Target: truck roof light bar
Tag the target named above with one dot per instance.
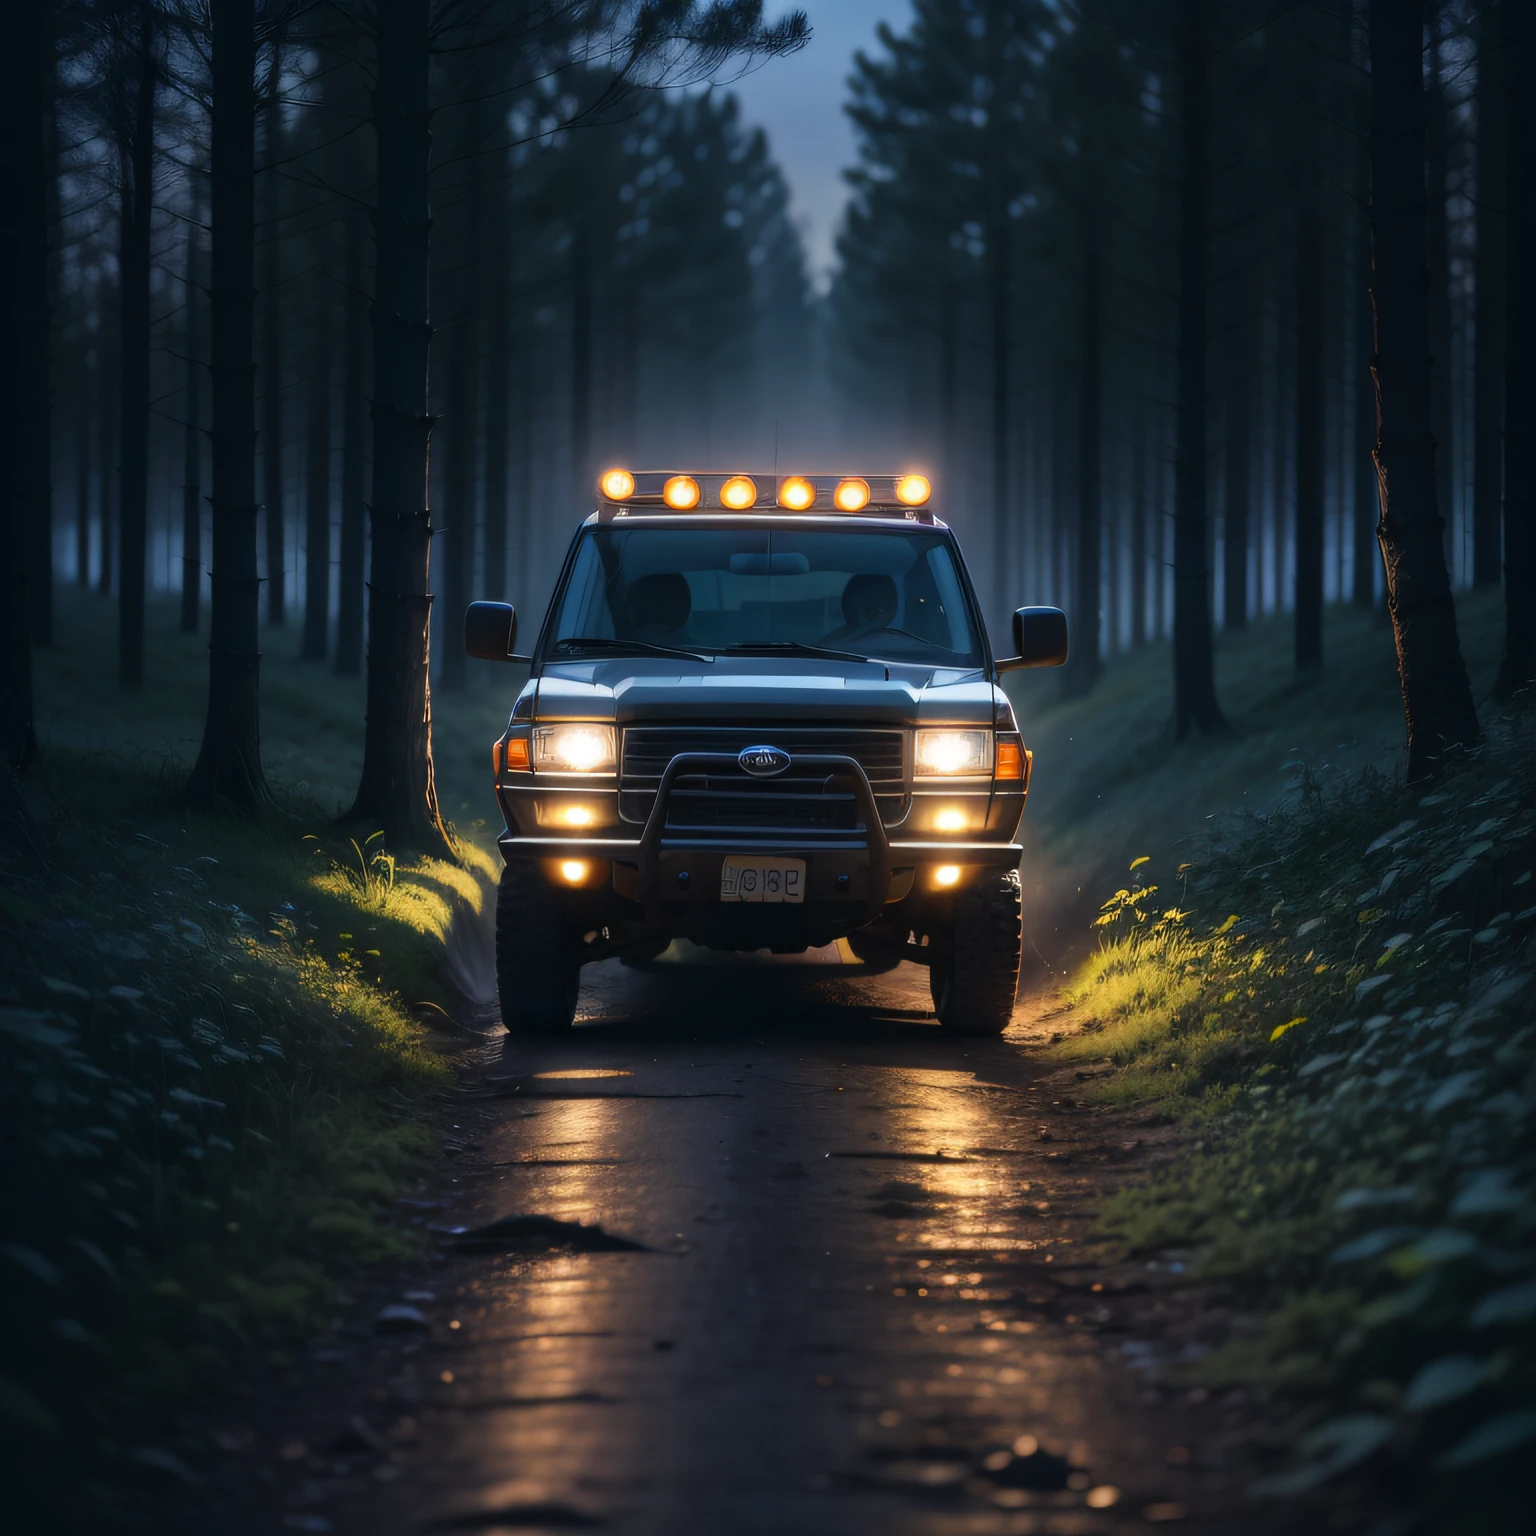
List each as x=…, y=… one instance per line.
x=663, y=492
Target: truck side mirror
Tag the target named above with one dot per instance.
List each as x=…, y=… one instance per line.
x=1039, y=639
x=490, y=631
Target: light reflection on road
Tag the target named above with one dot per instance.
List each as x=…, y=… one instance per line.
x=841, y=1315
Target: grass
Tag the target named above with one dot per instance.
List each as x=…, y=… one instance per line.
x=216, y=1076
x=1110, y=783
x=1332, y=991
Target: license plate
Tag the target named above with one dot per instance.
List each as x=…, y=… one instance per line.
x=743, y=879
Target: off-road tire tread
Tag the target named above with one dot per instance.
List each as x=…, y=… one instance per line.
x=537, y=968
x=975, y=988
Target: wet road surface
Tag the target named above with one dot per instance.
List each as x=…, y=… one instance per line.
x=862, y=1303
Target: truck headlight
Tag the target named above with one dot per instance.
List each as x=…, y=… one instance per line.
x=954, y=752
x=573, y=749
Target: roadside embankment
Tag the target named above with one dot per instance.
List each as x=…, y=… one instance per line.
x=218, y=1063
x=1111, y=783
x=1332, y=996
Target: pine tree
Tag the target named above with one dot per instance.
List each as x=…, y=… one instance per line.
x=24, y=414
x=944, y=118
x=228, y=765
x=1194, y=679
x=1437, y=699
x=1518, y=666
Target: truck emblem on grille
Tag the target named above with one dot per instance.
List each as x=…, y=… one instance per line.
x=763, y=762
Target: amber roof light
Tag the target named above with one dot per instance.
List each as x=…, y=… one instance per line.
x=627, y=493
x=738, y=493
x=852, y=495
x=796, y=494
x=681, y=493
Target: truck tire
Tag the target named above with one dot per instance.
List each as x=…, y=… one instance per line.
x=975, y=977
x=538, y=961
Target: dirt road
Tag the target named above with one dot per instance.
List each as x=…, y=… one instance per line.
x=860, y=1301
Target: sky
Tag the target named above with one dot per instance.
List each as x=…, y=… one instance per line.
x=799, y=102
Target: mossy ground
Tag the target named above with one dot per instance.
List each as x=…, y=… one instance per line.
x=1329, y=983
x=218, y=1081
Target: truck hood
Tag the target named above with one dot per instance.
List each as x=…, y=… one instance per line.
x=745, y=690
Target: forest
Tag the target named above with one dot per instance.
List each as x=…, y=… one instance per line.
x=1134, y=343
x=321, y=319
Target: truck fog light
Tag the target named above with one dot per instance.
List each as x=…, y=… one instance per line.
x=574, y=871
x=576, y=816
x=947, y=874
x=950, y=819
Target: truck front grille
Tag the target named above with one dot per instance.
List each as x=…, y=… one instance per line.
x=726, y=799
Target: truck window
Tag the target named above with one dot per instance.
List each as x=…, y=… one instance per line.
x=894, y=596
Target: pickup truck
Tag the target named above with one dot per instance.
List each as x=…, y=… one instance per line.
x=762, y=719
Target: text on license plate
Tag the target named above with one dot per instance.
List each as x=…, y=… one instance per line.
x=757, y=879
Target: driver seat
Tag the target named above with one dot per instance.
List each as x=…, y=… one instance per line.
x=869, y=604
x=657, y=605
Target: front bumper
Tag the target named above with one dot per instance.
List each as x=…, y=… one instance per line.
x=869, y=869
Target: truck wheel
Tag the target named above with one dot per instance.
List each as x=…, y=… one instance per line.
x=538, y=963
x=976, y=980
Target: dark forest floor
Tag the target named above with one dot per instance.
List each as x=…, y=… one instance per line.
x=1109, y=787
x=218, y=1070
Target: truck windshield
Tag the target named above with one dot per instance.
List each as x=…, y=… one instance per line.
x=881, y=594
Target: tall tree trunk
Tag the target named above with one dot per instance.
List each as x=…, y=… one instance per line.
x=1086, y=663
x=317, y=483
x=1239, y=482
x=397, y=792
x=83, y=472
x=106, y=425
x=626, y=426
x=1488, y=299
x=498, y=389
x=1311, y=465
x=1442, y=392
x=1437, y=699
x=354, y=449
x=949, y=453
x=581, y=356
x=463, y=432
x=24, y=324
x=1194, y=671
x=1000, y=325
x=458, y=535
x=1063, y=466
x=1139, y=525
x=1366, y=506
x=1279, y=549
x=1519, y=664
x=137, y=160
x=272, y=350
x=42, y=45
x=525, y=404
x=192, y=452
x=229, y=762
